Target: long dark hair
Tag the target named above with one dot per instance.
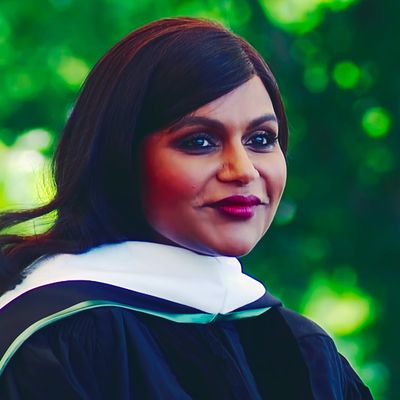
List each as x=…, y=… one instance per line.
x=151, y=78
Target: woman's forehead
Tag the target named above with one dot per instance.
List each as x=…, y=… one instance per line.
x=247, y=102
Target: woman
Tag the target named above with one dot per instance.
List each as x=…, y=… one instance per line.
x=171, y=165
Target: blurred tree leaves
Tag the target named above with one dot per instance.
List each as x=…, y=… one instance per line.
x=333, y=251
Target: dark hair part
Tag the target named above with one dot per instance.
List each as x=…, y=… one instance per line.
x=151, y=78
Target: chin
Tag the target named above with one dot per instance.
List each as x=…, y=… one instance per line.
x=231, y=248
x=237, y=251
x=228, y=245
x=237, y=245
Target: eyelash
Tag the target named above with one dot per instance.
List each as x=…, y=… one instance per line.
x=187, y=144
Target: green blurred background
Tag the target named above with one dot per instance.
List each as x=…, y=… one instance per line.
x=333, y=251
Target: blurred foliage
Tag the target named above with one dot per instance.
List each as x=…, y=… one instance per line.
x=333, y=251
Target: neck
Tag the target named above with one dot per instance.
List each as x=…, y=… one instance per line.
x=211, y=284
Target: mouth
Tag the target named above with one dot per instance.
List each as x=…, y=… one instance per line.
x=241, y=207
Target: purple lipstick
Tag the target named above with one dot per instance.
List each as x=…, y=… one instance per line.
x=241, y=207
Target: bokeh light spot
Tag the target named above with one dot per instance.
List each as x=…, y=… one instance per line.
x=73, y=70
x=24, y=177
x=346, y=74
x=376, y=122
x=300, y=16
x=297, y=16
x=339, y=307
x=35, y=139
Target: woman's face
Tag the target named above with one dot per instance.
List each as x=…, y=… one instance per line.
x=213, y=181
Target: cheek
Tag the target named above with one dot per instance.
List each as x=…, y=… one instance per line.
x=280, y=176
x=165, y=184
x=274, y=175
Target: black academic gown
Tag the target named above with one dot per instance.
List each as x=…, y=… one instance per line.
x=93, y=341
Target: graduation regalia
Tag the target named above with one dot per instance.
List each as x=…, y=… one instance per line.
x=141, y=320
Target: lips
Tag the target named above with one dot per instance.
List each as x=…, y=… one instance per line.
x=237, y=206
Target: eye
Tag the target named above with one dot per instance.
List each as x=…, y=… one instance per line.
x=197, y=143
x=262, y=140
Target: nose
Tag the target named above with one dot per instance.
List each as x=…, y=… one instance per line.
x=237, y=166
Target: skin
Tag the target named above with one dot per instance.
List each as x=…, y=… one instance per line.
x=189, y=166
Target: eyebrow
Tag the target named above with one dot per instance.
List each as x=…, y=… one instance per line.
x=192, y=120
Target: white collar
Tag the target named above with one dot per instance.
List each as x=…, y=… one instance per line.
x=210, y=284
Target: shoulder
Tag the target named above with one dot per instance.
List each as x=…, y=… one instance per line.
x=71, y=358
x=93, y=331
x=90, y=335
x=300, y=325
x=90, y=332
x=331, y=375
